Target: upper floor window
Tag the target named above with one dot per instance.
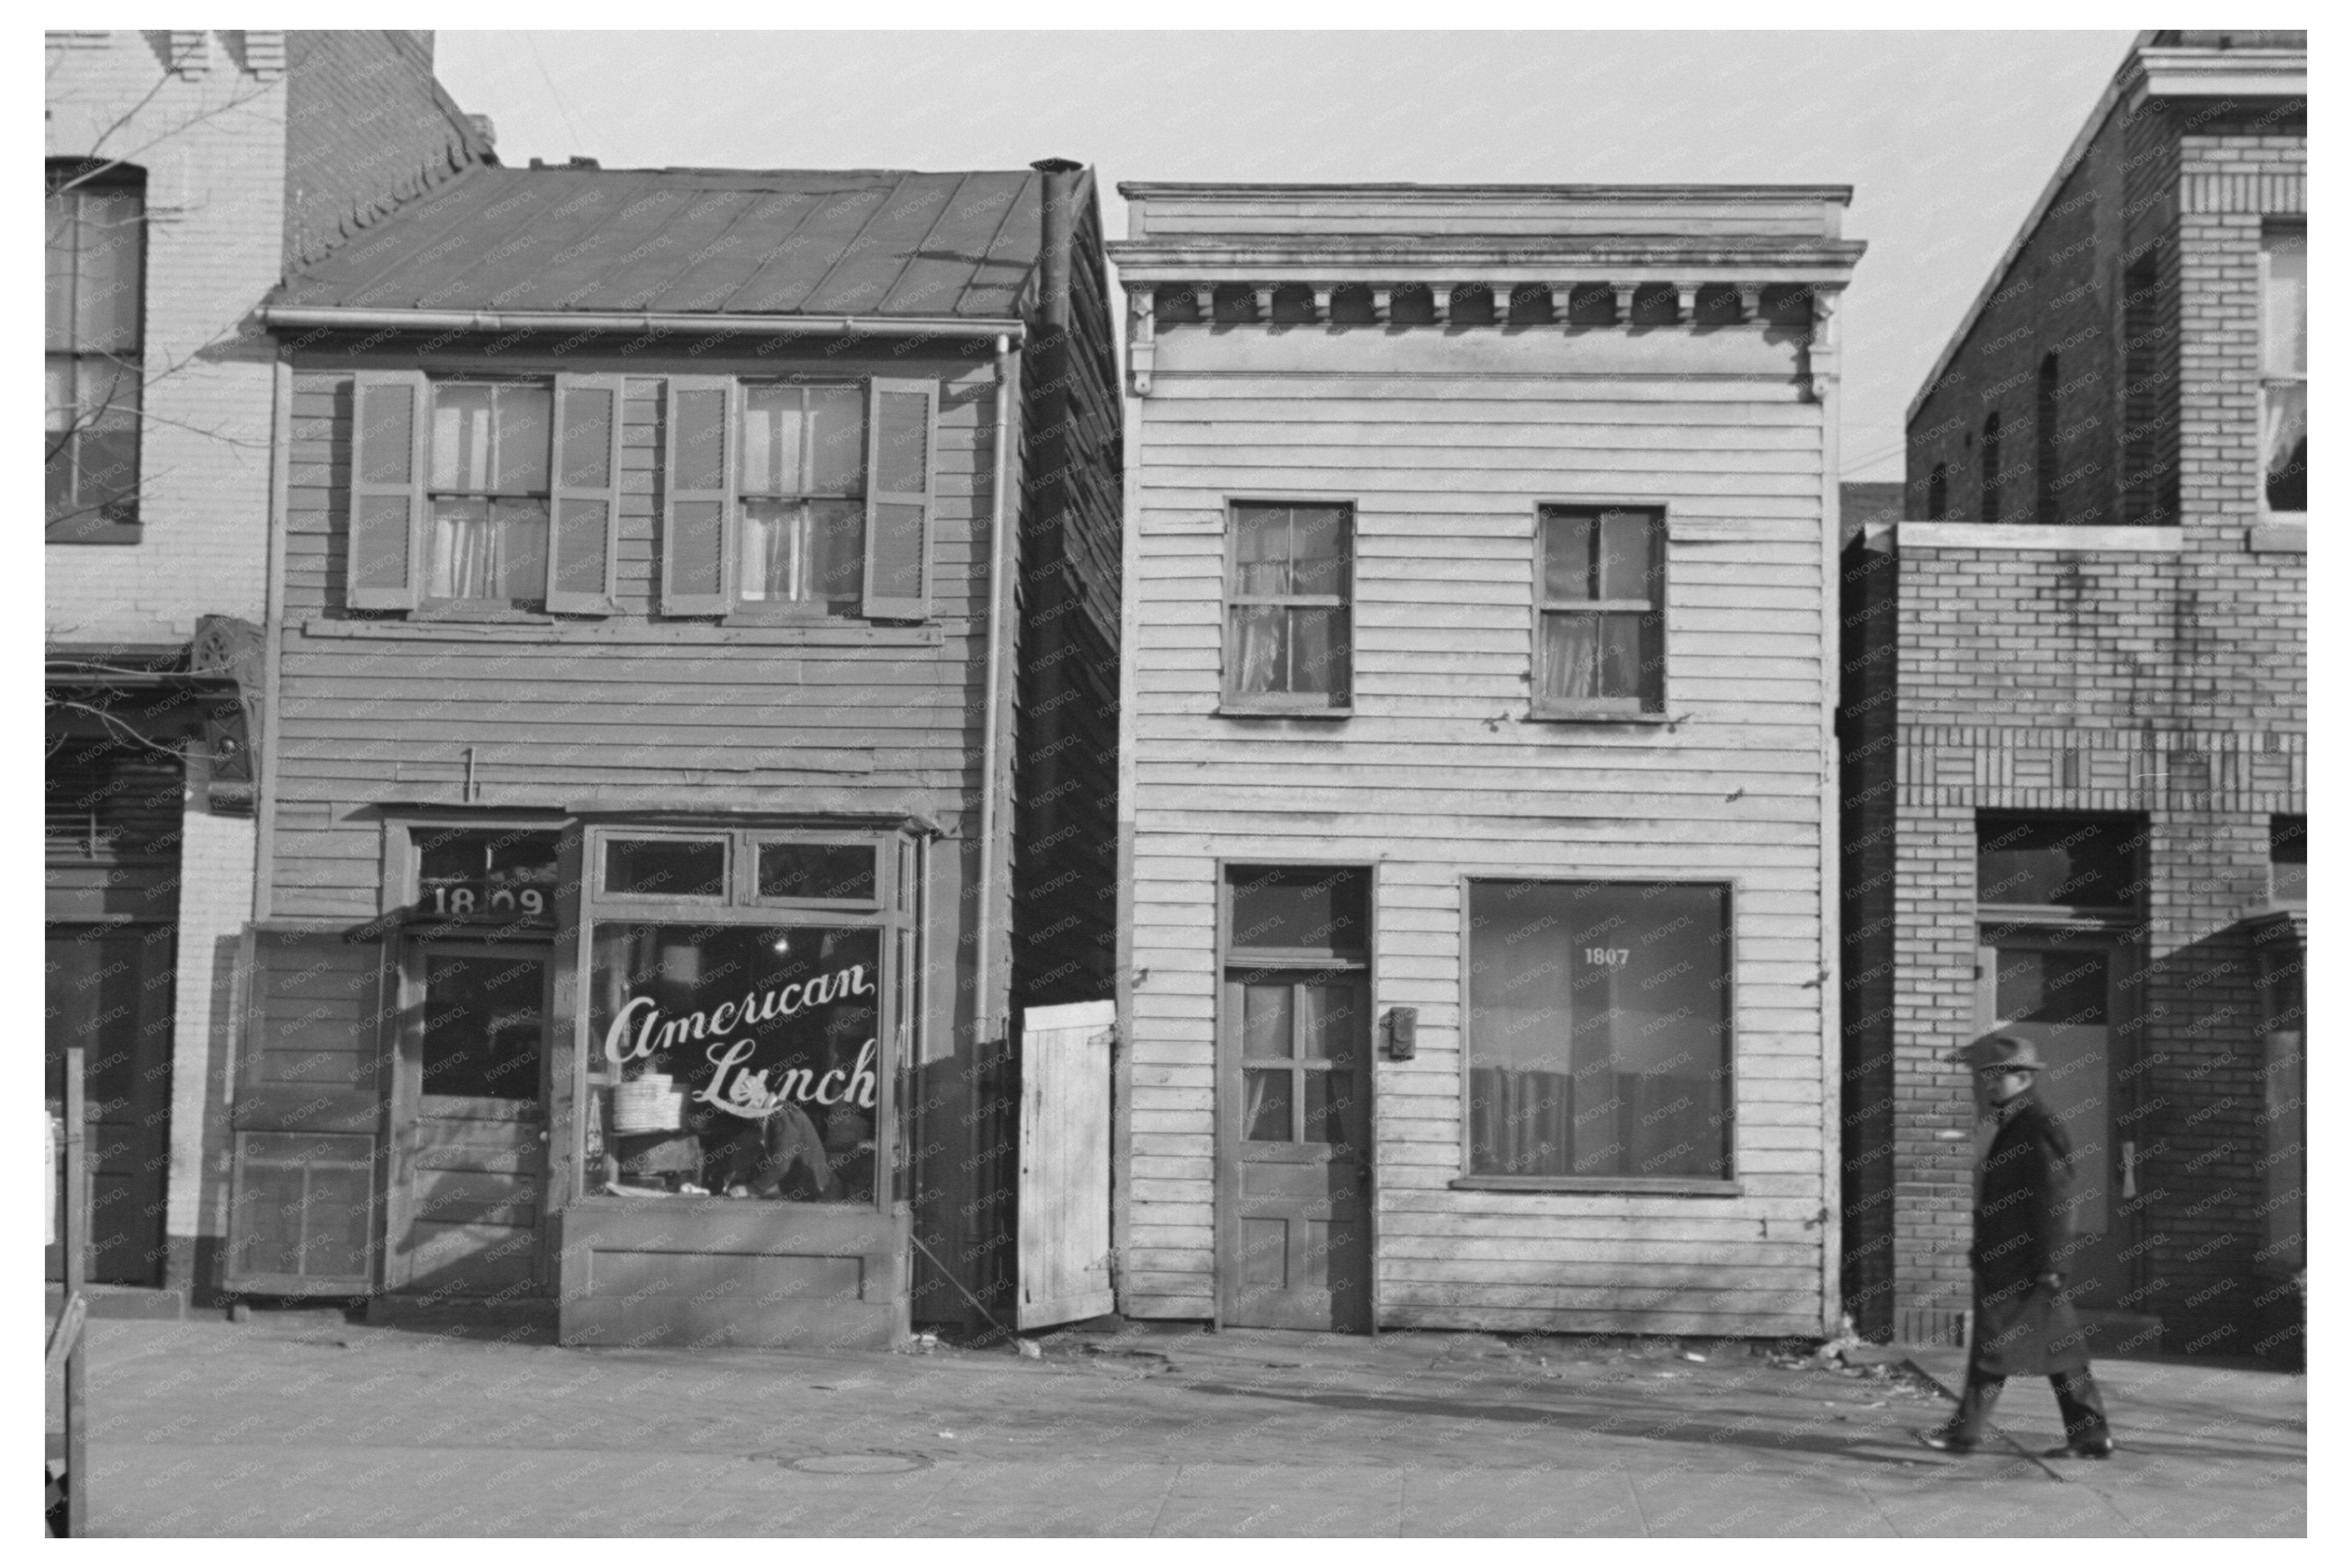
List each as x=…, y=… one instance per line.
x=1288, y=619
x=2287, y=860
x=2285, y=369
x=484, y=495
x=1601, y=613
x=93, y=358
x=1989, y=468
x=2045, y=442
x=799, y=499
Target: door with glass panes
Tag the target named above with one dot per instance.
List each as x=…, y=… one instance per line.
x=1298, y=1241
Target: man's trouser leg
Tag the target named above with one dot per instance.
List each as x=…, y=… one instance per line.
x=2079, y=1407
x=1976, y=1397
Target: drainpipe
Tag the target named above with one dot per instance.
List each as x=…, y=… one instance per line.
x=1002, y=520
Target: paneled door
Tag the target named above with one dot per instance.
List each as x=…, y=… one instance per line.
x=469, y=1120
x=110, y=991
x=1295, y=1151
x=2064, y=993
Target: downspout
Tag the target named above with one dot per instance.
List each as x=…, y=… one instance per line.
x=1003, y=517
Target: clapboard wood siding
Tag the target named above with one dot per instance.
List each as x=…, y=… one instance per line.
x=1446, y=443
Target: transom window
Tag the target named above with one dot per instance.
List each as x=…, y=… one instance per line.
x=2286, y=326
x=1602, y=611
x=1288, y=626
x=97, y=223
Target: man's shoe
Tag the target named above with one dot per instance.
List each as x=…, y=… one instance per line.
x=2102, y=1448
x=1943, y=1441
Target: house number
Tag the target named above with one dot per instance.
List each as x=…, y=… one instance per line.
x=1608, y=957
x=462, y=901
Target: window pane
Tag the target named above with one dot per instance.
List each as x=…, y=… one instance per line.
x=1262, y=550
x=837, y=442
x=786, y=1108
x=2287, y=858
x=461, y=438
x=2058, y=986
x=521, y=531
x=106, y=286
x=482, y=1025
x=588, y=415
x=57, y=311
x=840, y=871
x=666, y=867
x=2081, y=862
x=837, y=533
x=1328, y=1107
x=1598, y=1030
x=1626, y=556
x=1331, y=1021
x=2285, y=448
x=1620, y=654
x=1258, y=661
x=1266, y=1108
x=1567, y=555
x=1311, y=907
x=2285, y=305
x=1267, y=1019
x=1319, y=653
x=775, y=551
x=464, y=550
x=525, y=416
x=1571, y=657
x=1319, y=548
x=771, y=441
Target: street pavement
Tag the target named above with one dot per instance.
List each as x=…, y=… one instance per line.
x=301, y=1424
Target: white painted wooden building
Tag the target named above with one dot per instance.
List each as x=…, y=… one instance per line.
x=1476, y=804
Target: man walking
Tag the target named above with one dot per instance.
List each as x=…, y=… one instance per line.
x=2024, y=1322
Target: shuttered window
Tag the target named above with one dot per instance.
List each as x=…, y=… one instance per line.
x=484, y=495
x=795, y=501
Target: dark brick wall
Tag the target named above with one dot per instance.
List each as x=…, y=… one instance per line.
x=2168, y=682
x=367, y=128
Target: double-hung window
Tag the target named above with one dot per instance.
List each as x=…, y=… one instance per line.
x=1600, y=612
x=484, y=495
x=790, y=499
x=93, y=362
x=2285, y=372
x=1288, y=617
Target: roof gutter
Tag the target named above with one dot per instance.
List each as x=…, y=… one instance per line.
x=352, y=318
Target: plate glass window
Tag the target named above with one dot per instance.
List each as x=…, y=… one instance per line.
x=1288, y=629
x=97, y=243
x=488, y=484
x=802, y=489
x=1602, y=610
x=1600, y=1037
x=2285, y=370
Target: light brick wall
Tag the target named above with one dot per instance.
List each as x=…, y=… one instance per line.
x=213, y=145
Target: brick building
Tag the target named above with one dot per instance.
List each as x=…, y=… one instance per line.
x=185, y=172
x=2074, y=726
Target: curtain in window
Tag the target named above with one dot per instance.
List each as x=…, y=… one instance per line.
x=802, y=551
x=1258, y=662
x=488, y=550
x=1592, y=655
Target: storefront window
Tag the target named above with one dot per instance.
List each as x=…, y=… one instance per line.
x=1599, y=1030
x=742, y=1059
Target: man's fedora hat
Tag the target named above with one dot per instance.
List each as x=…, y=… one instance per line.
x=2001, y=1051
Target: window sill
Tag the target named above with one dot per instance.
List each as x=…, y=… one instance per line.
x=1560, y=713
x=2279, y=538
x=1652, y=1186
x=1229, y=709
x=77, y=530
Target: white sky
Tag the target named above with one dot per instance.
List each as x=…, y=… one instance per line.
x=1945, y=137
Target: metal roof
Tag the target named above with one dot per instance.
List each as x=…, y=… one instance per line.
x=722, y=242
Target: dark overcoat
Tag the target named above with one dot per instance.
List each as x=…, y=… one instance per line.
x=2024, y=1223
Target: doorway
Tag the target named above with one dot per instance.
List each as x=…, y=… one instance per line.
x=109, y=990
x=1299, y=1151
x=2064, y=993
x=470, y=1122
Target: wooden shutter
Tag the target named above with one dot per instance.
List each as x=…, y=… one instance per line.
x=899, y=418
x=583, y=531
x=1065, y=1224
x=698, y=532
x=308, y=1115
x=391, y=426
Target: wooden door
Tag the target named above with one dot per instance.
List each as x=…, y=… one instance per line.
x=1065, y=1200
x=305, y=1124
x=1295, y=1148
x=2063, y=993
x=469, y=1120
x=110, y=991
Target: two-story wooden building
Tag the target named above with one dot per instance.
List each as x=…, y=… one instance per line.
x=672, y=565
x=1476, y=798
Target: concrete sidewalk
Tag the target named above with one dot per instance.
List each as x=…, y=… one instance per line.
x=301, y=1424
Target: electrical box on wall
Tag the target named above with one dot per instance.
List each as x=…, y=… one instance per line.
x=1397, y=1026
